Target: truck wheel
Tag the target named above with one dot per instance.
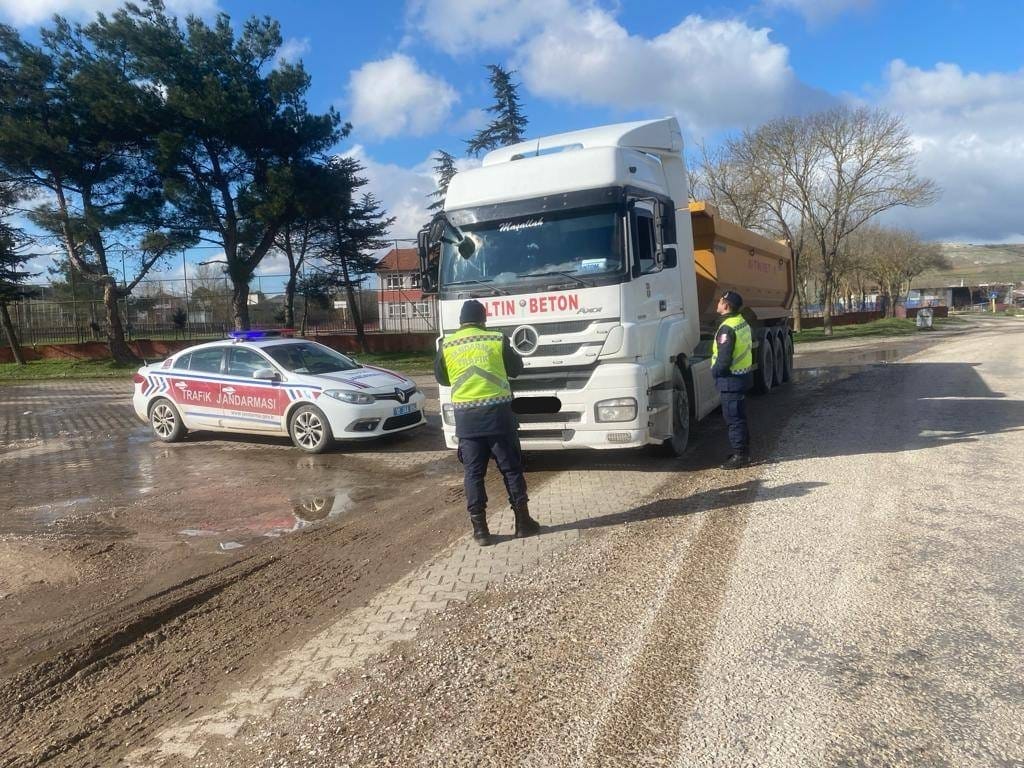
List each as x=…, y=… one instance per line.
x=787, y=357
x=779, y=363
x=764, y=376
x=676, y=445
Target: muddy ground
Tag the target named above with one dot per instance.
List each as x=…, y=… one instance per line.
x=137, y=579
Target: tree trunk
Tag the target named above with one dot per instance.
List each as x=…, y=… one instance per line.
x=797, y=311
x=357, y=316
x=119, y=348
x=240, y=304
x=12, y=338
x=826, y=309
x=289, y=301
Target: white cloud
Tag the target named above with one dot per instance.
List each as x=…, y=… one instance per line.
x=403, y=191
x=712, y=74
x=393, y=97
x=291, y=50
x=967, y=128
x=818, y=11
x=23, y=13
x=460, y=26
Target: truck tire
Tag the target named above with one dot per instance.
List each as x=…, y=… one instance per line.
x=675, y=446
x=787, y=357
x=779, y=363
x=764, y=356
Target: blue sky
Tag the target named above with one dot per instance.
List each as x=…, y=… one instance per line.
x=410, y=76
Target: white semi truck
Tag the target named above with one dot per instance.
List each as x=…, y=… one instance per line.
x=588, y=255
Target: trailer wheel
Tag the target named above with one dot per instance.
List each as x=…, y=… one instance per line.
x=675, y=446
x=787, y=357
x=764, y=376
x=779, y=363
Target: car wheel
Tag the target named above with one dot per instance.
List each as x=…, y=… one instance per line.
x=166, y=421
x=310, y=430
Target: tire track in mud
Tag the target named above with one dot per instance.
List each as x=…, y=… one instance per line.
x=86, y=701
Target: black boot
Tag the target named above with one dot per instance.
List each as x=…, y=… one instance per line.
x=481, y=533
x=737, y=461
x=525, y=525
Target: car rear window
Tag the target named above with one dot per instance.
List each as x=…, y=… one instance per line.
x=206, y=360
x=305, y=357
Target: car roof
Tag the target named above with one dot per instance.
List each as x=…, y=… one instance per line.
x=272, y=341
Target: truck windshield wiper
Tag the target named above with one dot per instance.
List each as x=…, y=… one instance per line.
x=570, y=275
x=485, y=283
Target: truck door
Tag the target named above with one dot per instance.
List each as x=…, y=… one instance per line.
x=196, y=390
x=649, y=299
x=250, y=404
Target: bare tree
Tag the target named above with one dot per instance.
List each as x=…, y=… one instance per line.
x=892, y=258
x=725, y=177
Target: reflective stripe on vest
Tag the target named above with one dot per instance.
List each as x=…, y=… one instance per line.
x=476, y=367
x=742, y=349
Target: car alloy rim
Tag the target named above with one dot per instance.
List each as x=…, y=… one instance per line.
x=308, y=430
x=163, y=420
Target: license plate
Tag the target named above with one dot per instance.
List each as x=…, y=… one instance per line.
x=404, y=409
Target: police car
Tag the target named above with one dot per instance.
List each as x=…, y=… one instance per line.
x=263, y=382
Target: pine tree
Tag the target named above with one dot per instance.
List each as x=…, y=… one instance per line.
x=444, y=167
x=509, y=121
x=12, y=273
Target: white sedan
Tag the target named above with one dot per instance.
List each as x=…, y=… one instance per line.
x=263, y=383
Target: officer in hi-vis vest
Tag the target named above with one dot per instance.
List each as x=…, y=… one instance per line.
x=731, y=365
x=476, y=364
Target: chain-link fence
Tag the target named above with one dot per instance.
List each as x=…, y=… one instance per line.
x=201, y=307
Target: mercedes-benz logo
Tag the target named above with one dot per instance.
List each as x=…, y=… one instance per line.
x=400, y=395
x=524, y=340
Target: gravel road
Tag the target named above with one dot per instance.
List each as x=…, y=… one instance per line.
x=857, y=599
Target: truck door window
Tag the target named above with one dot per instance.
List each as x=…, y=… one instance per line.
x=646, y=244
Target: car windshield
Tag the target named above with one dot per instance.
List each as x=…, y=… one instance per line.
x=571, y=247
x=307, y=357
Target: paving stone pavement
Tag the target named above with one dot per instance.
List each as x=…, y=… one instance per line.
x=562, y=505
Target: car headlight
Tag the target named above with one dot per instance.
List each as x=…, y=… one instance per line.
x=618, y=409
x=355, y=398
x=448, y=414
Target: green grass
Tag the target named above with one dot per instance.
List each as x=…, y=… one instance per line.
x=37, y=370
x=403, y=362
x=889, y=326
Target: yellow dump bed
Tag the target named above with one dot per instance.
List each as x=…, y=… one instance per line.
x=729, y=257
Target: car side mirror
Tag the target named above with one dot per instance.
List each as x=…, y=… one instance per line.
x=266, y=374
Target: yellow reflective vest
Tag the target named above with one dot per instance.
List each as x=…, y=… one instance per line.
x=476, y=367
x=742, y=350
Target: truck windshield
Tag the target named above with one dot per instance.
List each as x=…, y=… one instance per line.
x=574, y=248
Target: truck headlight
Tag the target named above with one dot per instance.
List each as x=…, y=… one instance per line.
x=355, y=398
x=448, y=414
x=617, y=409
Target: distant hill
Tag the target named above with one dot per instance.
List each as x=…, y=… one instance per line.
x=977, y=264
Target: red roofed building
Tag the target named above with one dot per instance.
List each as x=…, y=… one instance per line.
x=403, y=307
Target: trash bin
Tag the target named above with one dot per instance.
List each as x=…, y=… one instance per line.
x=924, y=317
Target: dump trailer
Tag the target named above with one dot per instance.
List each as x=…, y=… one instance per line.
x=587, y=254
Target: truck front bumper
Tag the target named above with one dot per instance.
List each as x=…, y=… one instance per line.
x=575, y=425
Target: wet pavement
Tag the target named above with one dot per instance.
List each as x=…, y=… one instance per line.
x=103, y=526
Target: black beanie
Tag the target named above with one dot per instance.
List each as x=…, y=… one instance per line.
x=473, y=313
x=733, y=299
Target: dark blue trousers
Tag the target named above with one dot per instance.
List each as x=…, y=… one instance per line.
x=734, y=410
x=476, y=452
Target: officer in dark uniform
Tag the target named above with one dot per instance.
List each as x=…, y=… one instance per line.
x=731, y=364
x=476, y=364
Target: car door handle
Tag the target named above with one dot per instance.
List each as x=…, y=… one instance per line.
x=181, y=385
x=228, y=390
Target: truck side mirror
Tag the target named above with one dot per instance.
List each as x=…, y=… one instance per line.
x=429, y=262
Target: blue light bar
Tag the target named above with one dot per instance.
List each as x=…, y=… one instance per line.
x=264, y=334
